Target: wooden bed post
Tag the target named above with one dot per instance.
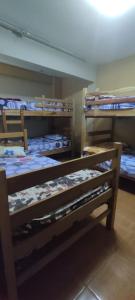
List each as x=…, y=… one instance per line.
x=6, y=240
x=113, y=201
x=25, y=139
x=113, y=129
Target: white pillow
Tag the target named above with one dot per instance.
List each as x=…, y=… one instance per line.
x=12, y=151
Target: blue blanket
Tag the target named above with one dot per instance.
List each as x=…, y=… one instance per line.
x=127, y=165
x=15, y=166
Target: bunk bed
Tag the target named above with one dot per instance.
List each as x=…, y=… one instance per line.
x=54, y=205
x=113, y=105
x=40, y=107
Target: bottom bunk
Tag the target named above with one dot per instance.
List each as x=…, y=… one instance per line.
x=38, y=210
x=47, y=145
x=127, y=163
x=50, y=144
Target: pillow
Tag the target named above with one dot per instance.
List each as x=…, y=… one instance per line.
x=12, y=151
x=55, y=137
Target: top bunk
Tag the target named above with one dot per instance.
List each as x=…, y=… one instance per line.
x=36, y=107
x=115, y=103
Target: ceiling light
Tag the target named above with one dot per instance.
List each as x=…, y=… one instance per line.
x=112, y=7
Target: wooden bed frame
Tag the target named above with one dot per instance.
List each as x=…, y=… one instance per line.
x=43, y=102
x=103, y=137
x=13, y=251
x=13, y=135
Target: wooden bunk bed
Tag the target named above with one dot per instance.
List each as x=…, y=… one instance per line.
x=59, y=235
x=90, y=107
x=45, y=108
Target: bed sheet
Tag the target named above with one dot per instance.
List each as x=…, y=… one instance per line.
x=127, y=165
x=41, y=192
x=120, y=106
x=46, y=143
x=9, y=103
x=14, y=166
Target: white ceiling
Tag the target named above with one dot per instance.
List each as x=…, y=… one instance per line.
x=75, y=26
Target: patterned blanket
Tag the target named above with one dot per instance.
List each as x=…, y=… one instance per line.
x=41, y=192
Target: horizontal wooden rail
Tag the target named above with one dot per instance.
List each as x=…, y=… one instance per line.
x=100, y=141
x=44, y=236
x=26, y=180
x=13, y=122
x=39, y=208
x=99, y=132
x=7, y=135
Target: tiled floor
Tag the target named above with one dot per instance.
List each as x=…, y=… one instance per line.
x=99, y=266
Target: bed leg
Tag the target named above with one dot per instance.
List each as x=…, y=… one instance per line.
x=6, y=240
x=115, y=184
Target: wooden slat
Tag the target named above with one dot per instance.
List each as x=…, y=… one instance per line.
x=95, y=113
x=40, y=208
x=8, y=135
x=46, y=235
x=37, y=113
x=100, y=141
x=99, y=132
x=6, y=239
x=24, y=181
x=13, y=122
x=62, y=247
x=56, y=151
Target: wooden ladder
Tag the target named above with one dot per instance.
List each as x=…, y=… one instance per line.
x=20, y=122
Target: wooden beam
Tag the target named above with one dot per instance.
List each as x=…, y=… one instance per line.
x=115, y=183
x=24, y=181
x=7, y=135
x=6, y=239
x=99, y=132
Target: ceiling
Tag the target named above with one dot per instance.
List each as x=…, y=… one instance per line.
x=75, y=26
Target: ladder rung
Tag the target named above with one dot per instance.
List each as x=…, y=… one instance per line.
x=14, y=122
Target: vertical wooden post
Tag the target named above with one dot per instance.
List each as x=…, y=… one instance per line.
x=113, y=201
x=84, y=133
x=6, y=239
x=72, y=126
x=4, y=120
x=25, y=139
x=22, y=120
x=113, y=129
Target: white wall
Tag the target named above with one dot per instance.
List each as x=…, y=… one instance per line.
x=115, y=75
x=12, y=83
x=16, y=86
x=73, y=85
x=23, y=51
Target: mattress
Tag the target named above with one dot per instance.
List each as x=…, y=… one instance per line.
x=11, y=103
x=109, y=106
x=127, y=166
x=120, y=106
x=48, y=142
x=27, y=197
x=18, y=165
